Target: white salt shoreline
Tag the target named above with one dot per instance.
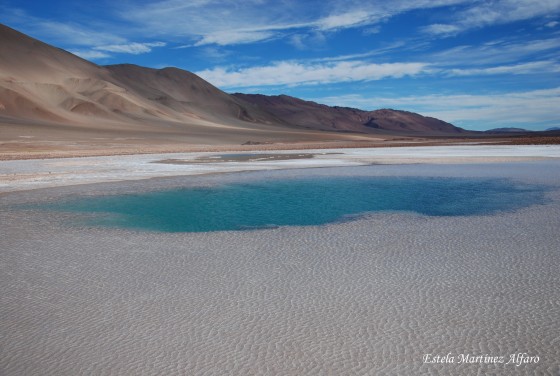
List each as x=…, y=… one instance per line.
x=42, y=173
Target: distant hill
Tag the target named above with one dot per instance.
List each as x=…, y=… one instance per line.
x=313, y=115
x=553, y=129
x=507, y=130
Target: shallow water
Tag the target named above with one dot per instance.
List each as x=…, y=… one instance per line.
x=299, y=201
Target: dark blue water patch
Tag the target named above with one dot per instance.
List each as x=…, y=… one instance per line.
x=299, y=201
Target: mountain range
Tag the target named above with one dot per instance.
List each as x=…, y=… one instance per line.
x=313, y=115
x=507, y=130
x=53, y=96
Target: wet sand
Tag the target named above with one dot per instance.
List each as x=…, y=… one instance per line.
x=365, y=297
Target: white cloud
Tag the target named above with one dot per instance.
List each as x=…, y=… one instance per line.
x=552, y=24
x=295, y=73
x=351, y=69
x=130, y=48
x=67, y=33
x=297, y=41
x=526, y=68
x=90, y=55
x=315, y=40
x=224, y=38
x=230, y=22
x=213, y=53
x=345, y=20
x=483, y=111
x=400, y=45
x=444, y=29
x=226, y=22
x=74, y=34
x=371, y=30
x=215, y=22
x=100, y=52
x=485, y=13
x=78, y=36
x=496, y=52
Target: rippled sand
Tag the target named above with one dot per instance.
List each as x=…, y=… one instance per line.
x=367, y=297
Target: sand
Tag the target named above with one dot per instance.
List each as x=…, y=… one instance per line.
x=372, y=296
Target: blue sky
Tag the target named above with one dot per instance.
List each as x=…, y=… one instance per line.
x=477, y=64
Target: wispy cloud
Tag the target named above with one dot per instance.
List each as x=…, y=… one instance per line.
x=399, y=45
x=214, y=53
x=297, y=73
x=225, y=22
x=347, y=19
x=90, y=54
x=308, y=41
x=130, y=48
x=538, y=108
x=87, y=42
x=207, y=22
x=68, y=33
x=485, y=13
x=352, y=68
x=227, y=38
x=102, y=52
x=495, y=52
x=74, y=34
x=526, y=68
x=442, y=29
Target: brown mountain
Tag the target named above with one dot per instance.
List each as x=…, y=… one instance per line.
x=52, y=99
x=58, y=96
x=319, y=116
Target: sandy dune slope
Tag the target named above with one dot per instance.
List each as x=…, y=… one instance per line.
x=43, y=88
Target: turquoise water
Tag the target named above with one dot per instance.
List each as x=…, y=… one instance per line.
x=302, y=201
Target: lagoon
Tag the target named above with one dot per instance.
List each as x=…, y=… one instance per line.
x=300, y=201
